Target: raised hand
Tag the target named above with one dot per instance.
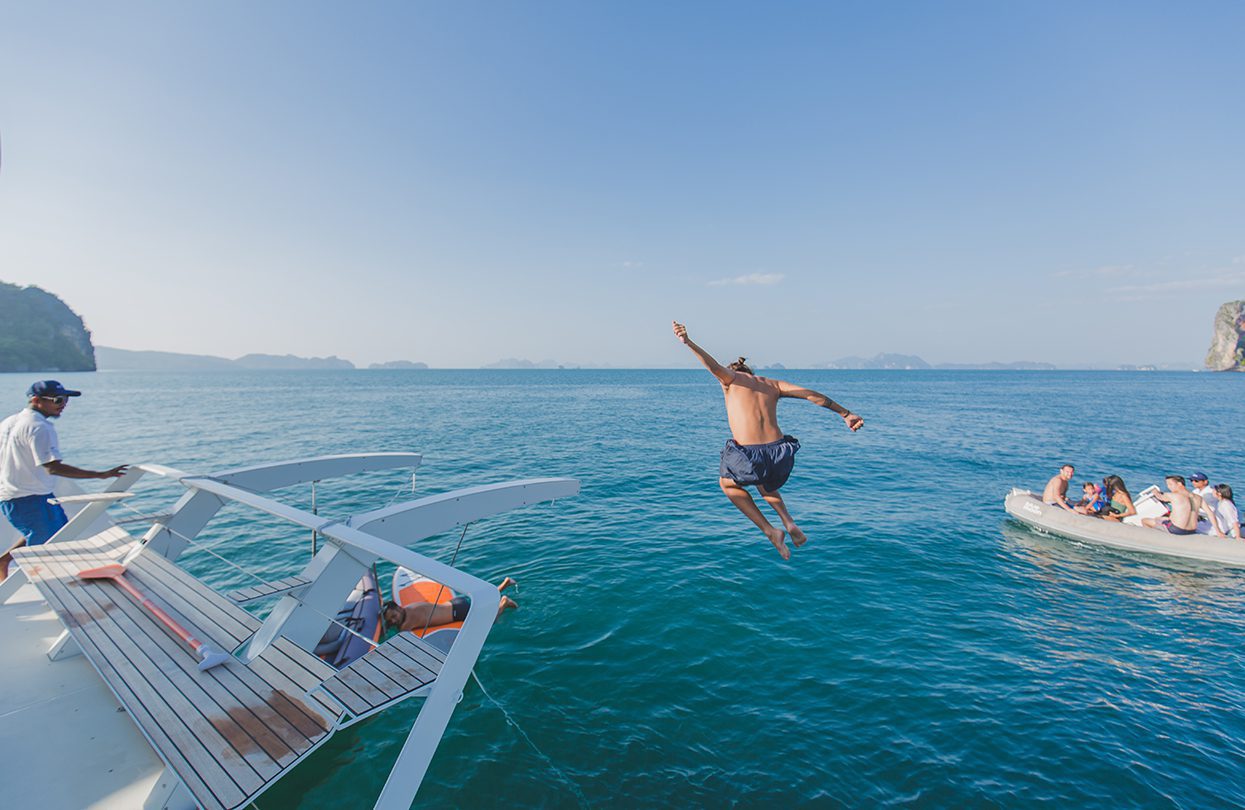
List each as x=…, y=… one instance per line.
x=853, y=421
x=680, y=331
x=115, y=472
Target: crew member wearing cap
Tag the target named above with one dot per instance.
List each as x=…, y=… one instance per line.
x=29, y=457
x=1199, y=484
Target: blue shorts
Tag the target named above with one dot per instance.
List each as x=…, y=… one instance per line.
x=766, y=465
x=34, y=517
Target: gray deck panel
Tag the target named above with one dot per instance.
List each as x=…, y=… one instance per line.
x=264, y=589
x=272, y=730
x=92, y=626
x=357, y=677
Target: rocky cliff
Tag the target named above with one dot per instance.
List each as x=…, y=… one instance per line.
x=39, y=332
x=1227, y=347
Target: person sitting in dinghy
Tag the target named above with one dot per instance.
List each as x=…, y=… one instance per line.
x=1056, y=492
x=423, y=615
x=1119, y=502
x=1229, y=518
x=1092, y=499
x=1184, y=505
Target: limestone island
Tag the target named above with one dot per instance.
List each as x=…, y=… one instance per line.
x=1227, y=347
x=39, y=332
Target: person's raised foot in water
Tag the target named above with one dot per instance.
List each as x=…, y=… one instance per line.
x=798, y=538
x=779, y=538
x=507, y=604
x=508, y=582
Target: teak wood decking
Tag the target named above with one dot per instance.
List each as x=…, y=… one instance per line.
x=228, y=732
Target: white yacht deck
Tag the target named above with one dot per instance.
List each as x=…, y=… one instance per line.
x=68, y=737
x=109, y=699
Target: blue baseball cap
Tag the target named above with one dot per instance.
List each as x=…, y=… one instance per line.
x=50, y=388
x=1198, y=476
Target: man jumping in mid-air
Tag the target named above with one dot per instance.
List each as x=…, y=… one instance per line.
x=759, y=453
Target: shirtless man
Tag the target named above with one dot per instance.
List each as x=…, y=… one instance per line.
x=418, y=617
x=1185, y=506
x=1056, y=492
x=759, y=453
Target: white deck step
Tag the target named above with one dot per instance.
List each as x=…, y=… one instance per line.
x=62, y=712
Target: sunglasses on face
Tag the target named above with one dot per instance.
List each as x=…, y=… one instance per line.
x=56, y=400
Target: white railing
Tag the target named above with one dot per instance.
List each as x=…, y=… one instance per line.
x=350, y=548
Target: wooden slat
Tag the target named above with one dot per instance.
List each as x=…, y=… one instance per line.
x=228, y=732
x=414, y=654
x=285, y=666
x=242, y=695
x=100, y=638
x=403, y=661
x=243, y=595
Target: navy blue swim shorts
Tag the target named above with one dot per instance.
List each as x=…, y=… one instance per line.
x=767, y=465
x=34, y=517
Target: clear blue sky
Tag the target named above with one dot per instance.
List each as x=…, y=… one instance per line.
x=461, y=182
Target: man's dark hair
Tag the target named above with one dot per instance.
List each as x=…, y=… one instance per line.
x=385, y=608
x=1179, y=478
x=741, y=365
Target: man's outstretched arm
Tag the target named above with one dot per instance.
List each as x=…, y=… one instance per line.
x=68, y=471
x=787, y=389
x=725, y=375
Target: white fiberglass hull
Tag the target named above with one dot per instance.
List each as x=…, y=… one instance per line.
x=1029, y=509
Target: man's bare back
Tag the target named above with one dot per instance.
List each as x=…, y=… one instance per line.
x=1184, y=508
x=752, y=409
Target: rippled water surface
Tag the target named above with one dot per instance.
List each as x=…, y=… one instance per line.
x=921, y=648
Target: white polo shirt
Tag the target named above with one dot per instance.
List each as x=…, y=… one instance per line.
x=1210, y=501
x=27, y=442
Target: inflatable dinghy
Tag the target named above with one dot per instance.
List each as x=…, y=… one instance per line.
x=1028, y=508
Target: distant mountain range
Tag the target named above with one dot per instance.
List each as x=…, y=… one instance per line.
x=403, y=365
x=110, y=359
x=514, y=362
x=911, y=361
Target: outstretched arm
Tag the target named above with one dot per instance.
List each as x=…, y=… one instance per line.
x=786, y=389
x=725, y=375
x=68, y=471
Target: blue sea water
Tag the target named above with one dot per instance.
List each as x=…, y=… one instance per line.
x=921, y=649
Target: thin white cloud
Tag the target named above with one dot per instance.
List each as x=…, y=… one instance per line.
x=763, y=279
x=630, y=265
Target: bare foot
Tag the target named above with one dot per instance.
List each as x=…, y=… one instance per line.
x=508, y=604
x=797, y=535
x=778, y=538
x=508, y=582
